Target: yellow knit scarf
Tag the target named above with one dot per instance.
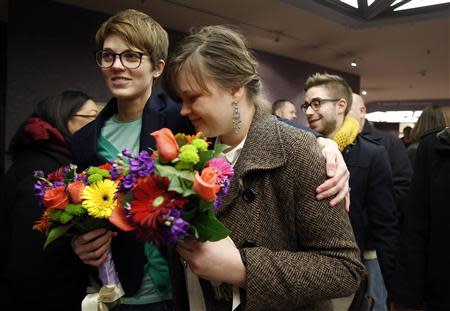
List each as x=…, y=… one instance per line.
x=347, y=133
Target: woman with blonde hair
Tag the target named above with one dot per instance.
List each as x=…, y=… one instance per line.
x=287, y=250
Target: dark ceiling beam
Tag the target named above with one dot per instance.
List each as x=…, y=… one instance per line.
x=378, y=7
x=400, y=4
x=362, y=7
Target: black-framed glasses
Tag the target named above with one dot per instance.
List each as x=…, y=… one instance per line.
x=129, y=59
x=316, y=102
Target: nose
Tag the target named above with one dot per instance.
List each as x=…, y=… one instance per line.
x=117, y=62
x=185, y=109
x=294, y=116
x=309, y=111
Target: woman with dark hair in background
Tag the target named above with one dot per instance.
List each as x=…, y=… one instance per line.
x=422, y=274
x=32, y=277
x=431, y=118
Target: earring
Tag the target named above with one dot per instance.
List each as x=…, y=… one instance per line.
x=236, y=118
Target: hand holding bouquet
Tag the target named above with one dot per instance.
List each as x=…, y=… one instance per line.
x=75, y=204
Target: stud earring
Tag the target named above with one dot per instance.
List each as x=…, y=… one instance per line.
x=236, y=118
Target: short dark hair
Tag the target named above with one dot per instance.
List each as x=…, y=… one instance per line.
x=336, y=86
x=55, y=110
x=278, y=104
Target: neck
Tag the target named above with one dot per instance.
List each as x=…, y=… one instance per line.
x=233, y=139
x=132, y=108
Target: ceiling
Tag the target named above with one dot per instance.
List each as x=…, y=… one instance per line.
x=399, y=58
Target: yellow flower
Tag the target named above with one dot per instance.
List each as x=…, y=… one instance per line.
x=98, y=198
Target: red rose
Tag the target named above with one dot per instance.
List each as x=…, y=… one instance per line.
x=56, y=198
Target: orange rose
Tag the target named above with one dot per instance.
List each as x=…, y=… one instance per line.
x=56, y=198
x=75, y=189
x=166, y=144
x=205, y=184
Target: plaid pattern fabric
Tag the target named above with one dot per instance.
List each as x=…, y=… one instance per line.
x=304, y=252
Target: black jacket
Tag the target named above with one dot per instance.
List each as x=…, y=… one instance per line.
x=33, y=278
x=398, y=159
x=160, y=111
x=372, y=207
x=422, y=275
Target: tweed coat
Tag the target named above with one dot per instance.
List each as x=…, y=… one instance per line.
x=299, y=253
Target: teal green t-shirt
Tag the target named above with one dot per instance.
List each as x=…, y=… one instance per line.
x=115, y=136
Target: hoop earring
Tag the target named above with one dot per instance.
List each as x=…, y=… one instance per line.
x=236, y=118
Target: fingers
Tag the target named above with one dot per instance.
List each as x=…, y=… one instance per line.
x=92, y=248
x=342, y=194
x=331, y=166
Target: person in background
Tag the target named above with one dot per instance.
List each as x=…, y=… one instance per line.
x=33, y=277
x=431, y=118
x=398, y=158
x=422, y=273
x=406, y=139
x=287, y=250
x=285, y=109
x=328, y=100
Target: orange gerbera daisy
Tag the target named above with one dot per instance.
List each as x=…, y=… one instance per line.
x=152, y=201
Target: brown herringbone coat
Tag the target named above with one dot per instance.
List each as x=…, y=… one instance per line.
x=303, y=252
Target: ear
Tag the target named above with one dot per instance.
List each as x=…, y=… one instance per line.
x=362, y=109
x=158, y=68
x=341, y=106
x=238, y=93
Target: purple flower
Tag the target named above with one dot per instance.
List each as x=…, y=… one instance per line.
x=175, y=227
x=142, y=165
x=39, y=190
x=223, y=191
x=127, y=183
x=57, y=184
x=114, y=172
x=127, y=153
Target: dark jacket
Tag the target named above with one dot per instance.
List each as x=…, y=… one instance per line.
x=160, y=111
x=299, y=252
x=33, y=278
x=372, y=207
x=423, y=273
x=398, y=159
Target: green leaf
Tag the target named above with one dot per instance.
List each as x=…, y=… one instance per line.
x=166, y=170
x=219, y=149
x=209, y=228
x=55, y=233
x=182, y=186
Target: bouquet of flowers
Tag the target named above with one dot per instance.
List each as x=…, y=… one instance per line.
x=172, y=193
x=76, y=203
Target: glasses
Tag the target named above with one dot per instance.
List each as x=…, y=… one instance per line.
x=316, y=102
x=129, y=59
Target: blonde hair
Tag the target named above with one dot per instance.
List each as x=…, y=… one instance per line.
x=336, y=86
x=137, y=29
x=219, y=54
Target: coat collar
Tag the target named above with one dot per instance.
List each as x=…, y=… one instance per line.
x=263, y=150
x=152, y=120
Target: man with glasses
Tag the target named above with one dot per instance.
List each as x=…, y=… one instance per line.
x=328, y=100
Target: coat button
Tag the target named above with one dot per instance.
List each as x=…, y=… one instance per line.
x=248, y=244
x=248, y=195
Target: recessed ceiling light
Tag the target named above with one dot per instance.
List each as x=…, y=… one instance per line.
x=353, y=64
x=363, y=92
